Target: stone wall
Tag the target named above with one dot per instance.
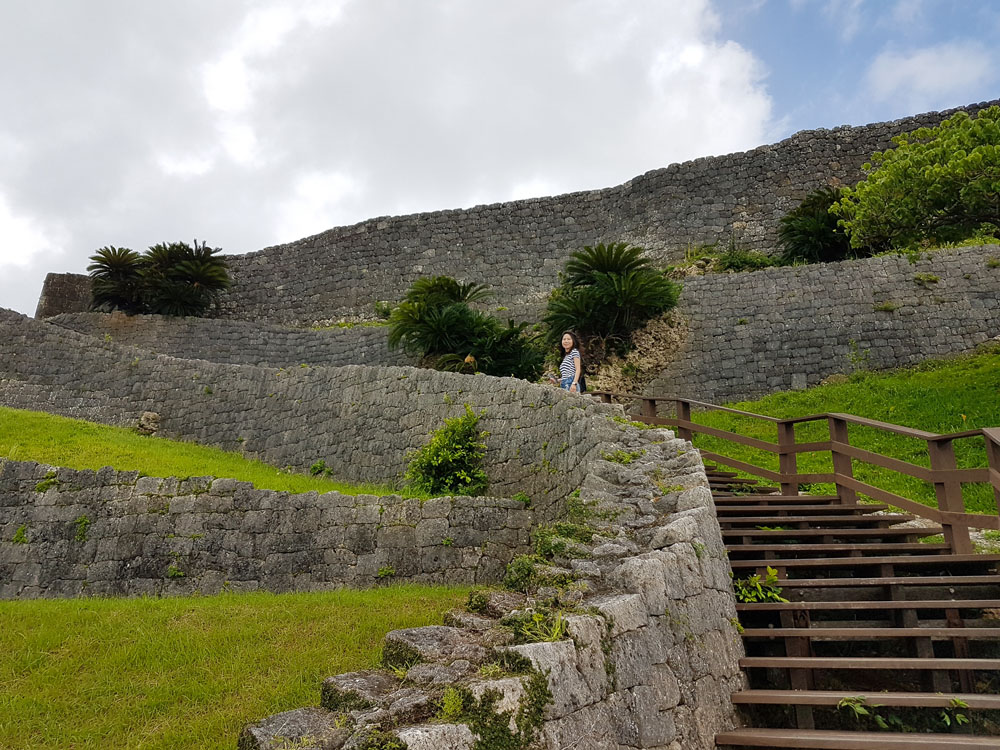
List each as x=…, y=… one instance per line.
x=750, y=334
x=652, y=650
x=362, y=421
x=238, y=342
x=113, y=533
x=519, y=247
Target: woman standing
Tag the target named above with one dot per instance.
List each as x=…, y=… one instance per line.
x=571, y=367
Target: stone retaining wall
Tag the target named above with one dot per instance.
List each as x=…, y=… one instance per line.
x=750, y=334
x=113, y=533
x=652, y=652
x=238, y=342
x=361, y=421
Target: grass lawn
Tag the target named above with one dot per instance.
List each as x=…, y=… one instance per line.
x=944, y=396
x=186, y=672
x=74, y=443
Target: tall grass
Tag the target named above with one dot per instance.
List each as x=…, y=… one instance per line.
x=77, y=444
x=185, y=673
x=944, y=396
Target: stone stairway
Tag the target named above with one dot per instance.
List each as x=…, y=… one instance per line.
x=885, y=641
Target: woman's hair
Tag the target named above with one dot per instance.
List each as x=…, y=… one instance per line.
x=576, y=344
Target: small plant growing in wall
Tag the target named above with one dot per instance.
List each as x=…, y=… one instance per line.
x=21, y=535
x=452, y=462
x=754, y=589
x=174, y=572
x=926, y=279
x=82, y=525
x=386, y=571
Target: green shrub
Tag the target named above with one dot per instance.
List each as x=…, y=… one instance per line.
x=607, y=292
x=168, y=279
x=452, y=462
x=21, y=535
x=810, y=233
x=434, y=321
x=753, y=589
x=937, y=185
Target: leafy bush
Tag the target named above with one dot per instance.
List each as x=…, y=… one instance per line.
x=452, y=462
x=938, y=185
x=811, y=233
x=434, y=321
x=168, y=279
x=607, y=292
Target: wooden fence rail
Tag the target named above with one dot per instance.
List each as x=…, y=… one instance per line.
x=944, y=474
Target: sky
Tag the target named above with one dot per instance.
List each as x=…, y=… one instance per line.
x=248, y=123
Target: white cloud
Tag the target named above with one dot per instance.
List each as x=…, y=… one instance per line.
x=908, y=12
x=933, y=77
x=23, y=239
x=315, y=204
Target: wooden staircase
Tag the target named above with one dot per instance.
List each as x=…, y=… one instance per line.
x=880, y=630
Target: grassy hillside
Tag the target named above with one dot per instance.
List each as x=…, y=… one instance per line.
x=183, y=673
x=36, y=436
x=942, y=396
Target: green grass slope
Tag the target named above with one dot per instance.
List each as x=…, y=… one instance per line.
x=76, y=444
x=944, y=396
x=184, y=673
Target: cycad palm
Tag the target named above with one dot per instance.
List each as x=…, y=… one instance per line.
x=608, y=291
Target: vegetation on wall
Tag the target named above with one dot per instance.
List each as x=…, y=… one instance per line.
x=938, y=185
x=435, y=321
x=168, y=279
x=452, y=462
x=607, y=292
x=810, y=233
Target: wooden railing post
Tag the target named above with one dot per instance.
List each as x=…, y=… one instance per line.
x=842, y=466
x=949, y=495
x=648, y=407
x=992, y=438
x=606, y=397
x=684, y=414
x=787, y=461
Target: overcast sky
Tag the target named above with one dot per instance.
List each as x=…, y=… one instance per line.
x=250, y=123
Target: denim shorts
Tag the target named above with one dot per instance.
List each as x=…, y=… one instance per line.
x=566, y=382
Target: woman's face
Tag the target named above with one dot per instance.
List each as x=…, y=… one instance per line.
x=567, y=342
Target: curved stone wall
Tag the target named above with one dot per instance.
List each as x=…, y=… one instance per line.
x=650, y=659
x=362, y=421
x=238, y=342
x=519, y=247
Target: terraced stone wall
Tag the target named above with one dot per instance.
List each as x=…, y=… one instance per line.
x=750, y=334
x=111, y=533
x=238, y=342
x=361, y=421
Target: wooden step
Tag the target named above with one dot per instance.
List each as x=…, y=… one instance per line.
x=941, y=562
x=784, y=500
x=862, y=606
x=860, y=634
x=816, y=521
x=972, y=701
x=835, y=550
x=813, y=739
x=727, y=512
x=853, y=533
x=959, y=580
x=871, y=663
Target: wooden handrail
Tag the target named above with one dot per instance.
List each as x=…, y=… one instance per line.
x=943, y=473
